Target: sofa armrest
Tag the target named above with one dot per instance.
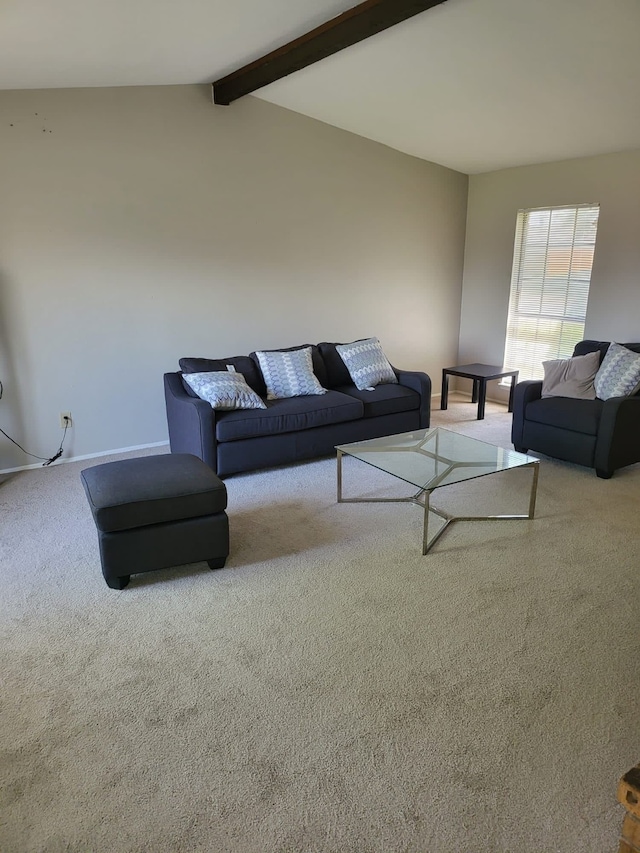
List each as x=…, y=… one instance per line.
x=419, y=382
x=618, y=442
x=525, y=392
x=191, y=422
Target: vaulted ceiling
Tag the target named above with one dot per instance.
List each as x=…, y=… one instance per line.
x=474, y=85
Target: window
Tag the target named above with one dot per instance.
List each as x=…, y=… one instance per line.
x=552, y=260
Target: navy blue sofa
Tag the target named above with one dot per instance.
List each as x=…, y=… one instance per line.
x=293, y=429
x=600, y=434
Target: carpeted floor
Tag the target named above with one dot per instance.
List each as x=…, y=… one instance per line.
x=331, y=689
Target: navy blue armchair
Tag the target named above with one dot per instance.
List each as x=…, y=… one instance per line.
x=600, y=434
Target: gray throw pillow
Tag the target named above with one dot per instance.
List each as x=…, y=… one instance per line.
x=366, y=363
x=619, y=374
x=289, y=373
x=224, y=390
x=571, y=377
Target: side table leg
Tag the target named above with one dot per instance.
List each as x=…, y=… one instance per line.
x=444, y=395
x=474, y=393
x=482, y=395
x=514, y=380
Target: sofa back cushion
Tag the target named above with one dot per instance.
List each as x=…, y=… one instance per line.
x=337, y=372
x=242, y=364
x=583, y=347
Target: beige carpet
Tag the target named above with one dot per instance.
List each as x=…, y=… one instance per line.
x=331, y=689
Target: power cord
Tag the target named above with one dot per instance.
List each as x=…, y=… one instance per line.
x=46, y=461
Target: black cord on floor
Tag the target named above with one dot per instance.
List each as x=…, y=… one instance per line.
x=48, y=461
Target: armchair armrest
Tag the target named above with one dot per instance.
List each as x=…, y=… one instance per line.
x=618, y=442
x=191, y=422
x=525, y=392
x=419, y=382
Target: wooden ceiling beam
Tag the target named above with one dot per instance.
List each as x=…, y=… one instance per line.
x=354, y=25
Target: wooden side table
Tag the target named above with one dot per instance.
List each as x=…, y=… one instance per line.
x=629, y=796
x=480, y=374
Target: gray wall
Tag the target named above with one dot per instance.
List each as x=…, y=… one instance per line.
x=138, y=225
x=613, y=181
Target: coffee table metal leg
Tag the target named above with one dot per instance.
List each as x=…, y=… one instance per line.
x=534, y=489
x=425, y=532
x=339, y=452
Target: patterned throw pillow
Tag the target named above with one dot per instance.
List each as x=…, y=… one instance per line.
x=619, y=373
x=366, y=363
x=289, y=374
x=224, y=390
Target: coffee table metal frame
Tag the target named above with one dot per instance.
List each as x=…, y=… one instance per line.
x=422, y=497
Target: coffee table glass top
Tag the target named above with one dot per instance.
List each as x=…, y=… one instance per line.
x=436, y=457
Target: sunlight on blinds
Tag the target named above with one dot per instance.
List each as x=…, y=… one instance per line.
x=552, y=260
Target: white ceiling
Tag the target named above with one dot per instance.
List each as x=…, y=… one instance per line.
x=474, y=85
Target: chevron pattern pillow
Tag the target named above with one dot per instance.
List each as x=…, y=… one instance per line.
x=619, y=373
x=224, y=390
x=289, y=374
x=366, y=363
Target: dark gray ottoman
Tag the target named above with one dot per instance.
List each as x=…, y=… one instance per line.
x=157, y=511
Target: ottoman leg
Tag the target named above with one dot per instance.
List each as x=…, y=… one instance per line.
x=218, y=563
x=117, y=582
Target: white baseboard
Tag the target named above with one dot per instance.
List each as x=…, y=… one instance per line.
x=85, y=456
x=467, y=395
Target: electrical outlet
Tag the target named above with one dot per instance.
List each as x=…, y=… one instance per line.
x=65, y=420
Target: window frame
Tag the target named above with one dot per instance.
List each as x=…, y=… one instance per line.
x=533, y=280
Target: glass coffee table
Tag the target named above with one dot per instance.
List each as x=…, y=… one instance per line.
x=431, y=459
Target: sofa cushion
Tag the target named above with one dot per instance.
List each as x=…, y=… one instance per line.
x=242, y=364
x=384, y=399
x=576, y=415
x=290, y=415
x=583, y=347
x=337, y=373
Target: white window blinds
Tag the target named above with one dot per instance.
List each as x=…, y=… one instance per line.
x=552, y=260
